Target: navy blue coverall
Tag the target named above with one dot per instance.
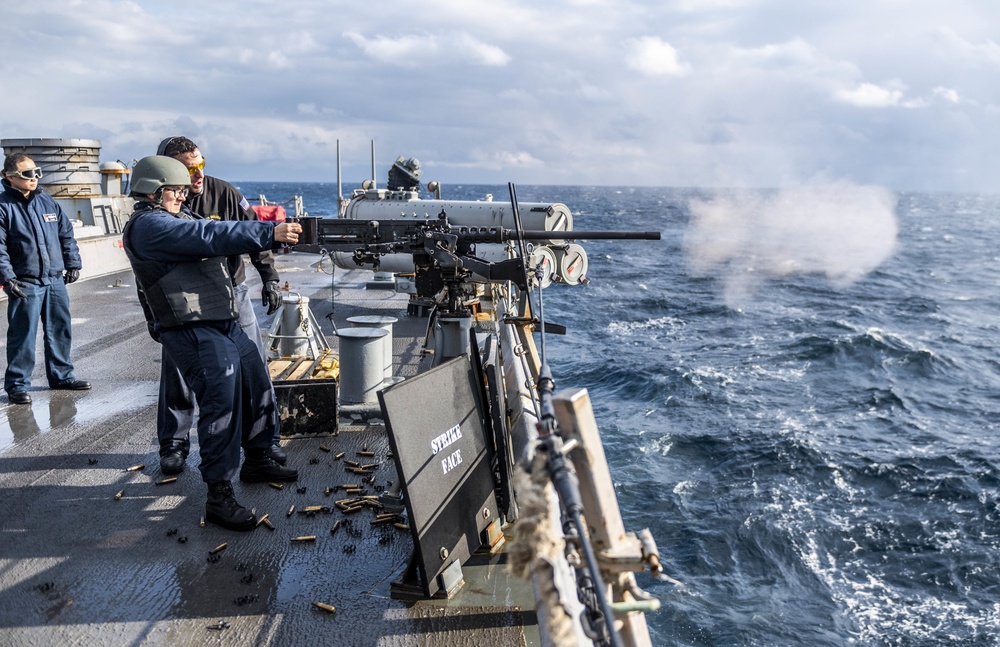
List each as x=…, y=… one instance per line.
x=36, y=248
x=216, y=358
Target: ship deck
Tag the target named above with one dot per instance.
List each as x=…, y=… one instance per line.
x=80, y=566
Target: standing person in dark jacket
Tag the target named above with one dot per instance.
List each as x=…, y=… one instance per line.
x=38, y=257
x=213, y=199
x=188, y=299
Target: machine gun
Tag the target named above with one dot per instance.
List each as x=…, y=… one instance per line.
x=444, y=257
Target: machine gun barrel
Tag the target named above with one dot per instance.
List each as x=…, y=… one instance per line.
x=583, y=235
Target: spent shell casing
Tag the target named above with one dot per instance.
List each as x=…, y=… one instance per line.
x=119, y=495
x=202, y=522
x=369, y=466
x=327, y=491
x=135, y=468
x=277, y=486
x=166, y=481
x=291, y=510
x=401, y=526
x=218, y=549
x=336, y=525
x=325, y=607
x=339, y=455
x=263, y=519
x=312, y=508
x=324, y=448
x=366, y=453
x=352, y=463
x=267, y=522
x=304, y=538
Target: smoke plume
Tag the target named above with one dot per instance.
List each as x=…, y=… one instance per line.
x=837, y=229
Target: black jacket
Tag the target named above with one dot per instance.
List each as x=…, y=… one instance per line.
x=219, y=200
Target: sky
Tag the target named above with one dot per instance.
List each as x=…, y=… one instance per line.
x=902, y=94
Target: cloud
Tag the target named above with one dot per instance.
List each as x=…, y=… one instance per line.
x=652, y=56
x=413, y=50
x=869, y=95
x=482, y=53
x=948, y=94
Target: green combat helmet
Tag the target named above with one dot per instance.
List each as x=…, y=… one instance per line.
x=151, y=173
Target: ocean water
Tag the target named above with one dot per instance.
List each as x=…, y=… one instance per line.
x=798, y=394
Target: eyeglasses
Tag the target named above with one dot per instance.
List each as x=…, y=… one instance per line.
x=179, y=191
x=198, y=167
x=28, y=174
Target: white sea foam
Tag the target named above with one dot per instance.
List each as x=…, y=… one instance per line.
x=633, y=327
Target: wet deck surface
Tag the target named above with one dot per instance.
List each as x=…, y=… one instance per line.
x=78, y=566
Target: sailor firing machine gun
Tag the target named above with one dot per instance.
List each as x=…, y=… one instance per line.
x=468, y=466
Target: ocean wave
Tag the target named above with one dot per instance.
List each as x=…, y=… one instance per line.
x=870, y=350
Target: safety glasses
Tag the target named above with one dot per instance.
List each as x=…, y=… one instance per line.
x=179, y=191
x=198, y=167
x=28, y=174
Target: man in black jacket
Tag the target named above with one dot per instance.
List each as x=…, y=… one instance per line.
x=212, y=199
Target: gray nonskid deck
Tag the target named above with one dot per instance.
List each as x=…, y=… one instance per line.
x=78, y=566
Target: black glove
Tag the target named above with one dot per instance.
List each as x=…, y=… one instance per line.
x=13, y=289
x=271, y=296
x=70, y=276
x=152, y=332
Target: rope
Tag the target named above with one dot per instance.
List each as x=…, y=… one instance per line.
x=537, y=546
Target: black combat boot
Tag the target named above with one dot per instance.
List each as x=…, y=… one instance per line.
x=172, y=462
x=223, y=508
x=259, y=467
x=277, y=452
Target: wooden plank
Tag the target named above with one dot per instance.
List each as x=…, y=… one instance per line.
x=276, y=367
x=302, y=370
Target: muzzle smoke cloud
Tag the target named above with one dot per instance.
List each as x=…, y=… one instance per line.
x=838, y=229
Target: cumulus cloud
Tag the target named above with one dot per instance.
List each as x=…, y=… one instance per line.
x=948, y=94
x=482, y=53
x=869, y=95
x=652, y=56
x=412, y=50
x=397, y=51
